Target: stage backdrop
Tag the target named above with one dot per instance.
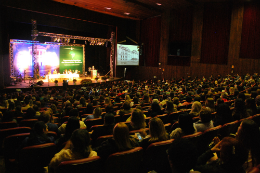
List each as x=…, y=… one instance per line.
x=71, y=58
x=49, y=57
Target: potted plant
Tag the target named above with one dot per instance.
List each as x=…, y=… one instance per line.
x=74, y=81
x=56, y=82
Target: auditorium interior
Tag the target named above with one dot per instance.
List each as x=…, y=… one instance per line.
x=188, y=49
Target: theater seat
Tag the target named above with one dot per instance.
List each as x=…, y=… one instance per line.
x=7, y=125
x=12, y=131
x=91, y=122
x=125, y=162
x=11, y=148
x=155, y=157
x=28, y=122
x=34, y=158
x=87, y=165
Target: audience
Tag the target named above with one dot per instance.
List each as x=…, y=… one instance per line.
x=205, y=121
x=78, y=147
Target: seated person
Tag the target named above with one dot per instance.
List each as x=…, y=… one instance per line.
x=205, y=121
x=232, y=156
x=75, y=113
x=78, y=147
x=72, y=125
x=121, y=141
x=54, y=72
x=186, y=127
x=45, y=117
x=137, y=120
x=182, y=156
x=38, y=135
x=157, y=133
x=106, y=129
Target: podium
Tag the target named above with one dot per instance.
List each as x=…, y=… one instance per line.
x=93, y=74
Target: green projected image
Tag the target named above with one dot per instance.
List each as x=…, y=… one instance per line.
x=71, y=58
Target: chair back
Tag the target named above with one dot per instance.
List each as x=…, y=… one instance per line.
x=102, y=139
x=229, y=128
x=7, y=125
x=89, y=165
x=125, y=117
x=34, y=158
x=12, y=131
x=155, y=157
x=11, y=148
x=91, y=122
x=127, y=161
x=163, y=117
x=28, y=122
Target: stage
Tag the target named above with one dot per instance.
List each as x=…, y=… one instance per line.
x=28, y=83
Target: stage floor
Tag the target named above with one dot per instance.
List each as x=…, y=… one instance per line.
x=28, y=83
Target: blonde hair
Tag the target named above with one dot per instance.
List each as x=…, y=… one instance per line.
x=121, y=137
x=157, y=130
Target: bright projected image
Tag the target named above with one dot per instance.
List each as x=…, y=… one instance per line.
x=127, y=55
x=49, y=57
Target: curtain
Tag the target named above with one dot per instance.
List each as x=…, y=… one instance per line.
x=215, y=34
x=150, y=36
x=250, y=39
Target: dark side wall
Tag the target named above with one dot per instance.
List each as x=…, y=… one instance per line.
x=198, y=66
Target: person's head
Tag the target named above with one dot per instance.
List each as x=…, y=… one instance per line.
x=121, y=136
x=169, y=106
x=127, y=97
x=136, y=100
x=74, y=113
x=109, y=119
x=126, y=105
x=138, y=120
x=239, y=105
x=81, y=142
x=205, y=115
x=97, y=112
x=250, y=104
x=182, y=156
x=196, y=107
x=82, y=101
x=109, y=108
x=39, y=128
x=232, y=152
x=89, y=109
x=72, y=124
x=157, y=130
x=248, y=134
x=156, y=107
x=107, y=100
x=117, y=99
x=210, y=103
x=45, y=117
x=30, y=113
x=186, y=123
x=146, y=98
x=241, y=96
x=189, y=99
x=176, y=101
x=11, y=106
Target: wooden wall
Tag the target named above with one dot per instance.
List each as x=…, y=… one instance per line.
x=242, y=66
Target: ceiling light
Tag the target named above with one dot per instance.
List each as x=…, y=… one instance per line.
x=108, y=8
x=158, y=3
x=126, y=13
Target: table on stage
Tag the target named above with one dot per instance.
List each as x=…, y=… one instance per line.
x=62, y=76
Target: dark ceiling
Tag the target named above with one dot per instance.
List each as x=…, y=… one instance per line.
x=134, y=9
